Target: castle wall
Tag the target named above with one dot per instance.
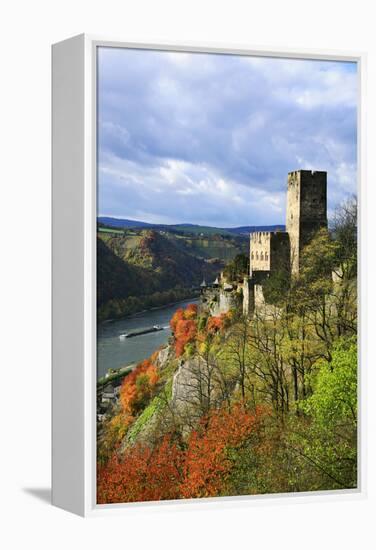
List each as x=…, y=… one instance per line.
x=293, y=217
x=209, y=303
x=269, y=251
x=260, y=251
x=313, y=205
x=259, y=297
x=262, y=308
x=280, y=251
x=215, y=301
x=248, y=297
x=306, y=210
x=227, y=301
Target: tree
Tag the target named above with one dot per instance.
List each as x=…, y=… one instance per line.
x=344, y=229
x=268, y=361
x=237, y=268
x=184, y=327
x=138, y=387
x=312, y=290
x=208, y=460
x=143, y=473
x=178, y=316
x=237, y=353
x=185, y=332
x=328, y=442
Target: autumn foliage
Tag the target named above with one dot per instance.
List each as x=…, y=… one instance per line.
x=169, y=471
x=190, y=311
x=185, y=332
x=207, y=460
x=216, y=324
x=184, y=327
x=138, y=386
x=142, y=474
x=178, y=316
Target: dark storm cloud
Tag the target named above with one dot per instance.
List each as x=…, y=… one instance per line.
x=210, y=138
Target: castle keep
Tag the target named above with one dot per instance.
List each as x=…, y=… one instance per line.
x=306, y=213
x=306, y=210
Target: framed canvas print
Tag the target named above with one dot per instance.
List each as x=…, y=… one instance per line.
x=205, y=274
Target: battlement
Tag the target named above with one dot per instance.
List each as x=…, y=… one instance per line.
x=311, y=173
x=268, y=249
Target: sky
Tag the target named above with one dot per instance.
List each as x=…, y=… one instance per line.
x=210, y=138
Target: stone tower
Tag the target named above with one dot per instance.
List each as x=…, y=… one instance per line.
x=306, y=210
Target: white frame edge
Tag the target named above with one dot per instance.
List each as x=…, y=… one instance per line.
x=68, y=230
x=74, y=277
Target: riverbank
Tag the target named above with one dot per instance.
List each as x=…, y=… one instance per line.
x=114, y=353
x=116, y=375
x=119, y=308
x=193, y=296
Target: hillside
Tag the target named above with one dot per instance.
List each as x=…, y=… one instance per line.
x=116, y=278
x=208, y=246
x=234, y=405
x=145, y=270
x=188, y=228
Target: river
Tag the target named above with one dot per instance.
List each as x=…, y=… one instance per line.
x=114, y=353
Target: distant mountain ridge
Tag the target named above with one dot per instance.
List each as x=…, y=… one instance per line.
x=188, y=227
x=151, y=273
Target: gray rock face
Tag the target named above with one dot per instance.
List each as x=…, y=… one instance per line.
x=184, y=386
x=162, y=357
x=195, y=389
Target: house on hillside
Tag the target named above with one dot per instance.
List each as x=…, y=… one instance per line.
x=108, y=393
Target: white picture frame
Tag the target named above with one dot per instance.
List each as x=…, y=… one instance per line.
x=74, y=184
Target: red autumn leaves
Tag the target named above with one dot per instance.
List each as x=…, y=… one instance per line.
x=170, y=468
x=198, y=468
x=184, y=327
x=141, y=474
x=216, y=324
x=138, y=386
x=207, y=462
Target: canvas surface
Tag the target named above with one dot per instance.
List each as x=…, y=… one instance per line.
x=226, y=275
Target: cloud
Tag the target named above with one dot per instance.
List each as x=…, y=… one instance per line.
x=210, y=138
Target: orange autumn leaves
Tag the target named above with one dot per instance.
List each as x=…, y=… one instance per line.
x=136, y=391
x=198, y=468
x=173, y=468
x=207, y=461
x=184, y=325
x=216, y=324
x=138, y=387
x=141, y=474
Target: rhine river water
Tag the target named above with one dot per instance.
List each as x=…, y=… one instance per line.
x=115, y=353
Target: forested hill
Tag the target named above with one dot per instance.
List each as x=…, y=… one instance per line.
x=235, y=406
x=145, y=269
x=187, y=228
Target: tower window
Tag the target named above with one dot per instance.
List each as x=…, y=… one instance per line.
x=262, y=256
x=266, y=256
x=291, y=216
x=252, y=256
x=256, y=255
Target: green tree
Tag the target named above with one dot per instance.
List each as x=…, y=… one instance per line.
x=344, y=229
x=327, y=443
x=237, y=268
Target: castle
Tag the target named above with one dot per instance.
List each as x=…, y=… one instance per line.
x=269, y=251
